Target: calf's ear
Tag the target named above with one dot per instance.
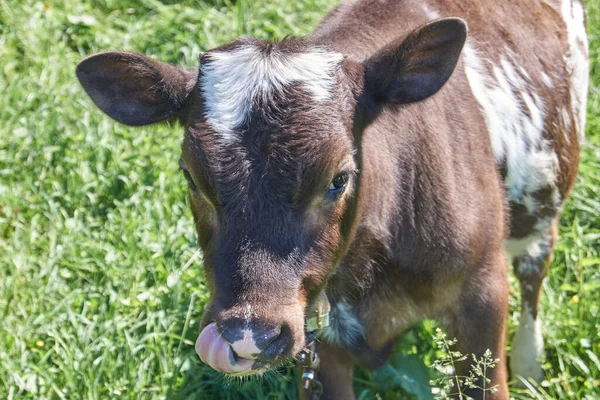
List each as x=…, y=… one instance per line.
x=135, y=89
x=417, y=66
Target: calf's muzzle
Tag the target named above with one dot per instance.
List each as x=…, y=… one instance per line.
x=239, y=348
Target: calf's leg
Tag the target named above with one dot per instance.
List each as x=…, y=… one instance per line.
x=335, y=373
x=528, y=345
x=479, y=324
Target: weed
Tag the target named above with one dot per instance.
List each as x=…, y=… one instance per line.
x=450, y=384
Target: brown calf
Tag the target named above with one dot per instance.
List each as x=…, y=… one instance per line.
x=385, y=159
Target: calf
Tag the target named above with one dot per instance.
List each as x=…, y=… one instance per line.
x=385, y=160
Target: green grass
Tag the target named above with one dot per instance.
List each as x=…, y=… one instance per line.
x=101, y=288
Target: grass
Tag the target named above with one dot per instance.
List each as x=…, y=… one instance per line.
x=101, y=287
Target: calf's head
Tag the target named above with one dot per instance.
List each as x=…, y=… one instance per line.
x=272, y=131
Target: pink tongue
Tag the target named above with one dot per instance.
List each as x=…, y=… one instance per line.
x=216, y=352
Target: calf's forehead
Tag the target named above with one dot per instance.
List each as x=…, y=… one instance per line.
x=248, y=76
x=271, y=105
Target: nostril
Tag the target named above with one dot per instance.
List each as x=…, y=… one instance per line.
x=230, y=334
x=264, y=335
x=279, y=345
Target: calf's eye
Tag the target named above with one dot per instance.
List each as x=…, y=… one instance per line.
x=338, y=183
x=189, y=179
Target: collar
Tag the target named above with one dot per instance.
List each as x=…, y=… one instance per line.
x=317, y=314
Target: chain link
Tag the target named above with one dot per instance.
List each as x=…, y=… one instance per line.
x=309, y=361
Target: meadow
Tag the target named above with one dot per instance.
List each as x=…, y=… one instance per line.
x=101, y=285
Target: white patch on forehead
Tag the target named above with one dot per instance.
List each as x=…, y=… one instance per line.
x=514, y=116
x=233, y=81
x=577, y=60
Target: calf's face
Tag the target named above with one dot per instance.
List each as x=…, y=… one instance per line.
x=269, y=154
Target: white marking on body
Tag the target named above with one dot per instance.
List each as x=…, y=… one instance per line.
x=565, y=122
x=246, y=347
x=577, y=60
x=524, y=73
x=233, y=81
x=530, y=245
x=527, y=347
x=516, y=134
x=344, y=329
x=529, y=203
x=517, y=247
x=547, y=80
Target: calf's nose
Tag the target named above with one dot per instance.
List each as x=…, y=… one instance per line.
x=237, y=349
x=249, y=342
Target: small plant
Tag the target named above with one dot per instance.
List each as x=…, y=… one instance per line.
x=451, y=384
x=478, y=373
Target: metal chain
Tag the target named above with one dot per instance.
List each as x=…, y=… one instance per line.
x=308, y=359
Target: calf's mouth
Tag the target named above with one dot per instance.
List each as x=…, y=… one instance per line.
x=255, y=349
